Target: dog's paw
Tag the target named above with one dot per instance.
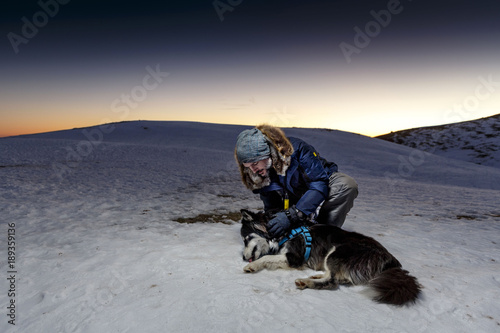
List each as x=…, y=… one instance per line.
x=302, y=283
x=250, y=268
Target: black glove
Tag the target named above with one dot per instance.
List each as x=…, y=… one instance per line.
x=295, y=216
x=282, y=221
x=278, y=225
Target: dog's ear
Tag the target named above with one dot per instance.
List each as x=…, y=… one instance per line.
x=247, y=215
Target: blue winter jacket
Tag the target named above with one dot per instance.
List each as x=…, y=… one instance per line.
x=306, y=180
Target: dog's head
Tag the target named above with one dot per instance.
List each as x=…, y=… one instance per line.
x=255, y=236
x=254, y=223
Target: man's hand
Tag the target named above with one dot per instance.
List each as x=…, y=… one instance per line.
x=278, y=225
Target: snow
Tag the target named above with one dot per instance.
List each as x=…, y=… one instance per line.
x=476, y=141
x=97, y=247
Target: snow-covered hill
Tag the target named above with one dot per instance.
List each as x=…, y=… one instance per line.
x=99, y=247
x=476, y=141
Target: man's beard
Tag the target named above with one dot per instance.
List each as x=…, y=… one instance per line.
x=268, y=166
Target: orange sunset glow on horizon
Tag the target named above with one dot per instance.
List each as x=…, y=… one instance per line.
x=368, y=69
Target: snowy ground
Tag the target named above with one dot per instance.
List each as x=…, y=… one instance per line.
x=97, y=248
x=476, y=141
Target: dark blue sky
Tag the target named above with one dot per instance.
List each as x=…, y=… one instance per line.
x=92, y=51
x=128, y=29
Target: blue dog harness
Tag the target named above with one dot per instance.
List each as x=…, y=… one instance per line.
x=307, y=238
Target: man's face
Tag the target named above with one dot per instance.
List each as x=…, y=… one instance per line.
x=259, y=167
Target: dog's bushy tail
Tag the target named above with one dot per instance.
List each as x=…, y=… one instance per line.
x=395, y=286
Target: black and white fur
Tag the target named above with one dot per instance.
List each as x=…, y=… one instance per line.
x=345, y=258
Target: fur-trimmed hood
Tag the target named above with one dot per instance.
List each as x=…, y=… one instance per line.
x=281, y=150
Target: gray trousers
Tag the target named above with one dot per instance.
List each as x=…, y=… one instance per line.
x=343, y=190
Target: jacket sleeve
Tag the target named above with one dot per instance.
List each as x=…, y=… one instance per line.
x=317, y=179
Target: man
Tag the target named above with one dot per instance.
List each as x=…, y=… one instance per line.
x=289, y=174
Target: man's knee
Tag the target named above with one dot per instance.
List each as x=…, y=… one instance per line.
x=344, y=190
x=348, y=186
x=352, y=190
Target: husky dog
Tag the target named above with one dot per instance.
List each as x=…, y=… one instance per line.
x=345, y=257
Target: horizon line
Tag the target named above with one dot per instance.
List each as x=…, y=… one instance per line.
x=3, y=136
